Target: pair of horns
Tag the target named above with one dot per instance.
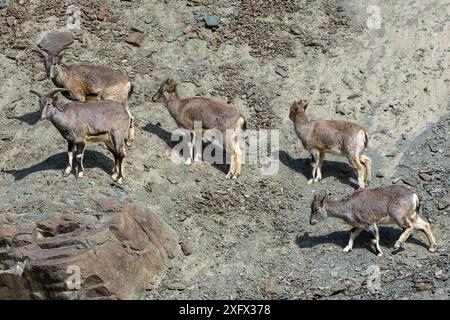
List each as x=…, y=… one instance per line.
x=51, y=93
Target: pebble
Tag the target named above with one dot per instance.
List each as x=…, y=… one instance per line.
x=270, y=285
x=381, y=173
x=112, y=19
x=11, y=55
x=173, y=180
x=176, y=286
x=135, y=39
x=425, y=176
x=409, y=182
x=423, y=286
x=259, y=108
x=444, y=202
x=186, y=248
x=391, y=103
x=3, y=5
x=212, y=21
x=281, y=72
x=390, y=155
x=439, y=274
x=11, y=21
x=354, y=96
x=249, y=94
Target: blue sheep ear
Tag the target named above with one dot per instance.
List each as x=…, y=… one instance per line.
x=305, y=105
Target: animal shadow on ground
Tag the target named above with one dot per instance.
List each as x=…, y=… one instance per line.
x=92, y=159
x=340, y=170
x=388, y=236
x=30, y=118
x=166, y=136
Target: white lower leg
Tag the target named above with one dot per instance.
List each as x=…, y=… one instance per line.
x=115, y=172
x=354, y=233
x=361, y=180
x=314, y=174
x=69, y=166
x=377, y=240
x=130, y=137
x=190, y=147
x=404, y=236
x=231, y=172
x=80, y=161
x=318, y=174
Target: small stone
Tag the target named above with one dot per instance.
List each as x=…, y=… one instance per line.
x=102, y=12
x=409, y=182
x=281, y=72
x=135, y=39
x=11, y=55
x=423, y=286
x=425, y=176
x=392, y=103
x=138, y=29
x=3, y=5
x=339, y=108
x=341, y=287
x=143, y=70
x=259, y=108
x=176, y=286
x=112, y=19
x=354, y=96
x=12, y=21
x=444, y=202
x=296, y=31
x=186, y=248
x=404, y=136
x=381, y=173
x=173, y=180
x=390, y=155
x=212, y=21
x=432, y=148
x=271, y=283
x=148, y=187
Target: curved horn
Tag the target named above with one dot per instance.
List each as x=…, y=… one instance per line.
x=58, y=52
x=51, y=93
x=40, y=51
x=36, y=93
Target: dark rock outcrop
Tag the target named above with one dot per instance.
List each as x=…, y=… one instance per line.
x=114, y=255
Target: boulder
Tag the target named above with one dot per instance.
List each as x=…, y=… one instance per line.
x=54, y=41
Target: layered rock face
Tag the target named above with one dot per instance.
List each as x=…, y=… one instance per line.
x=114, y=255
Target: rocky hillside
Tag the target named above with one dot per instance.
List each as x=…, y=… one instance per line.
x=384, y=67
